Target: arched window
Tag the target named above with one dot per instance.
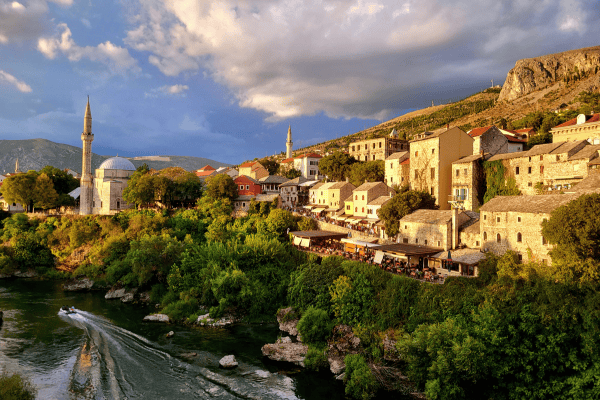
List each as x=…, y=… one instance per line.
x=498, y=237
x=484, y=235
x=519, y=237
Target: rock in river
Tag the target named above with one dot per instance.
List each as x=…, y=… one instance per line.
x=78, y=285
x=288, y=352
x=156, y=318
x=228, y=362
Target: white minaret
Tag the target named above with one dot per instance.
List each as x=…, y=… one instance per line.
x=86, y=194
x=288, y=144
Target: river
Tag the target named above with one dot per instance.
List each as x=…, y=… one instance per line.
x=104, y=351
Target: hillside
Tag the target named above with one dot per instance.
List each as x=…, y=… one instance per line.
x=37, y=153
x=546, y=83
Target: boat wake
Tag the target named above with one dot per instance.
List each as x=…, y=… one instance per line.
x=114, y=363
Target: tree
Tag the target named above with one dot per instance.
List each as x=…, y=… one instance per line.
x=336, y=166
x=403, y=204
x=140, y=188
x=291, y=173
x=63, y=181
x=370, y=171
x=270, y=165
x=20, y=189
x=574, y=229
x=44, y=195
x=221, y=186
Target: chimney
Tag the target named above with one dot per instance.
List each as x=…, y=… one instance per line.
x=347, y=179
x=447, y=126
x=454, y=227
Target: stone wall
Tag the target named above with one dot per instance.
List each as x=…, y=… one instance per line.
x=509, y=225
x=434, y=235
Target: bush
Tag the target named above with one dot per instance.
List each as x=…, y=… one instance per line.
x=15, y=387
x=316, y=358
x=315, y=325
x=360, y=382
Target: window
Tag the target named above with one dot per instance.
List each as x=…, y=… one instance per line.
x=391, y=179
x=498, y=239
x=439, y=243
x=416, y=240
x=484, y=217
x=517, y=171
x=243, y=204
x=356, y=197
x=353, y=148
x=529, y=169
x=416, y=153
x=362, y=210
x=518, y=219
x=373, y=157
x=118, y=204
x=373, y=145
x=355, y=209
x=363, y=196
x=358, y=147
x=497, y=219
x=484, y=235
x=432, y=171
x=544, y=240
x=465, y=172
x=416, y=174
x=431, y=190
x=312, y=172
x=519, y=237
x=432, y=151
x=520, y=256
x=541, y=169
x=241, y=187
x=529, y=159
x=391, y=165
x=379, y=144
x=247, y=187
x=557, y=157
x=405, y=227
x=405, y=240
x=457, y=172
x=477, y=243
x=529, y=184
x=425, y=241
x=541, y=158
x=348, y=207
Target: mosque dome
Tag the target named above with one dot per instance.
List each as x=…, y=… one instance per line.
x=117, y=163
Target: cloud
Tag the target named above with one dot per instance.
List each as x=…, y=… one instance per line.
x=349, y=58
x=86, y=22
x=116, y=58
x=21, y=86
x=172, y=90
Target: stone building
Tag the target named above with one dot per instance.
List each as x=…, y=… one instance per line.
x=397, y=169
x=468, y=182
x=111, y=179
x=307, y=164
x=247, y=186
x=318, y=194
x=515, y=223
x=291, y=192
x=374, y=206
x=377, y=149
x=584, y=127
x=337, y=193
x=431, y=158
x=551, y=166
x=205, y=172
x=241, y=204
x=270, y=184
x=432, y=228
x=253, y=169
x=366, y=193
x=488, y=140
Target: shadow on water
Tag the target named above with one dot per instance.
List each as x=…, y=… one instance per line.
x=105, y=352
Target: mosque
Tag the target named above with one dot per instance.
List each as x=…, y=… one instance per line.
x=102, y=193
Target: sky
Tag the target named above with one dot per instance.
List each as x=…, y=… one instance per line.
x=225, y=79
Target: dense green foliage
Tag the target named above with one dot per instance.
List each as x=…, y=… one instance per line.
x=290, y=173
x=403, y=203
x=360, y=382
x=370, y=171
x=337, y=165
x=221, y=186
x=498, y=182
x=15, y=387
x=315, y=326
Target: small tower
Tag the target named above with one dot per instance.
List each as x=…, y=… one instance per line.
x=17, y=170
x=86, y=194
x=288, y=144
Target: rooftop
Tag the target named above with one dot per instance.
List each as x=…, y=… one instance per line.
x=401, y=155
x=273, y=179
x=434, y=217
x=536, y=204
x=381, y=200
x=588, y=120
x=369, y=186
x=468, y=159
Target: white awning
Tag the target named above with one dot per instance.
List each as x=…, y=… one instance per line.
x=305, y=243
x=297, y=240
x=359, y=242
x=378, y=257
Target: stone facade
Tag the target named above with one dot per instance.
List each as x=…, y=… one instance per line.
x=366, y=193
x=488, y=140
x=377, y=149
x=584, y=127
x=431, y=158
x=397, y=169
x=467, y=182
x=110, y=181
x=253, y=169
x=241, y=204
x=337, y=193
x=547, y=167
x=292, y=194
x=430, y=228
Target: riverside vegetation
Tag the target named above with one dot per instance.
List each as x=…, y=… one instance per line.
x=517, y=331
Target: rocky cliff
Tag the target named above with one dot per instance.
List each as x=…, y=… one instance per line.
x=532, y=74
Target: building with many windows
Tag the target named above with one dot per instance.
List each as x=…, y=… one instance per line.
x=377, y=149
x=584, y=127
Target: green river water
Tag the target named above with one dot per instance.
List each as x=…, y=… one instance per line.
x=104, y=351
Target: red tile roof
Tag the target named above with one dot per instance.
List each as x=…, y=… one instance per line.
x=514, y=139
x=525, y=130
x=311, y=155
x=207, y=168
x=204, y=173
x=287, y=160
x=479, y=131
x=588, y=119
x=247, y=164
x=407, y=161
